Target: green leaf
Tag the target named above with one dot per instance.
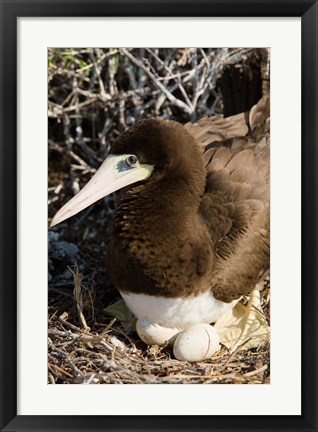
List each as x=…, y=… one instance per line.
x=81, y=62
x=113, y=64
x=120, y=311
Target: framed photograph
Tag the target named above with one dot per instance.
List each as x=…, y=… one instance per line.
x=89, y=79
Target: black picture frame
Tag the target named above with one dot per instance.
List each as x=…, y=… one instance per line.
x=10, y=11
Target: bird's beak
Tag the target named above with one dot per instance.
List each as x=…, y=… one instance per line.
x=113, y=174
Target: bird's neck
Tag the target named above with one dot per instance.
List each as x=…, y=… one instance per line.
x=164, y=207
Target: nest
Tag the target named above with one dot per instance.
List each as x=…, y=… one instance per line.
x=102, y=350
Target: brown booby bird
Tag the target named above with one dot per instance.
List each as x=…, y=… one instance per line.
x=190, y=232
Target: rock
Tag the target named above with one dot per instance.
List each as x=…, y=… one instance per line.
x=61, y=255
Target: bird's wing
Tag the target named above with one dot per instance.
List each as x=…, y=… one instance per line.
x=217, y=129
x=236, y=200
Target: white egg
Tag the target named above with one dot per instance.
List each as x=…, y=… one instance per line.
x=154, y=334
x=198, y=342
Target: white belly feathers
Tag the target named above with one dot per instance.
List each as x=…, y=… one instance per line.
x=177, y=312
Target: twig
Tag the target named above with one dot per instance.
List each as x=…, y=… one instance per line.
x=256, y=372
x=177, y=77
x=79, y=296
x=169, y=96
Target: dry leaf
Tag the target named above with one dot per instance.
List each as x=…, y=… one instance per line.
x=244, y=325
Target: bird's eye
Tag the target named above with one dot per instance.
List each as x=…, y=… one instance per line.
x=131, y=161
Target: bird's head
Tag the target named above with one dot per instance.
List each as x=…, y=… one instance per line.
x=150, y=150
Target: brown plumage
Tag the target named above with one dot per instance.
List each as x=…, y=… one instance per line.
x=201, y=220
